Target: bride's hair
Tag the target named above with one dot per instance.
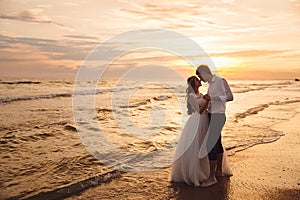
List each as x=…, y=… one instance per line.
x=190, y=89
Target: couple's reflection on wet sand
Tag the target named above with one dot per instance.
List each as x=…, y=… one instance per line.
x=219, y=191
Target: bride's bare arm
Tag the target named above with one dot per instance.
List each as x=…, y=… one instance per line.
x=192, y=98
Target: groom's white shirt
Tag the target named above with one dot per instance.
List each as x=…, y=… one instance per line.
x=219, y=94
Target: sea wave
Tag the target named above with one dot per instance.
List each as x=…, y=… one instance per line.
x=84, y=92
x=73, y=188
x=57, y=95
x=19, y=82
x=259, y=108
x=248, y=87
x=232, y=150
x=161, y=98
x=25, y=98
x=134, y=105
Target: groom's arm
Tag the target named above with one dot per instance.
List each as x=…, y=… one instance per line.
x=228, y=94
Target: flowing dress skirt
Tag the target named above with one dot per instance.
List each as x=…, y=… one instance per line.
x=187, y=165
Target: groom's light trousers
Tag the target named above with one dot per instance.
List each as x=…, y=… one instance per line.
x=214, y=143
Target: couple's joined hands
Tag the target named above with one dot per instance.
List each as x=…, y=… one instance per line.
x=203, y=108
x=207, y=97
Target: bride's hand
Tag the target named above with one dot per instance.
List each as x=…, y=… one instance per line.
x=203, y=108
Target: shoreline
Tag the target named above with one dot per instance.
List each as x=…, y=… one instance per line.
x=265, y=171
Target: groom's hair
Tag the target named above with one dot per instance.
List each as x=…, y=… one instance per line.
x=203, y=68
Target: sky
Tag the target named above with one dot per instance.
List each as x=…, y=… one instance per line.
x=244, y=39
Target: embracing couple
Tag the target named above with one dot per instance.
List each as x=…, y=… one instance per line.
x=200, y=156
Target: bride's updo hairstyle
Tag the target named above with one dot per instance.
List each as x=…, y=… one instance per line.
x=190, y=89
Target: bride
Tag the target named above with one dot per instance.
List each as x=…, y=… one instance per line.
x=189, y=166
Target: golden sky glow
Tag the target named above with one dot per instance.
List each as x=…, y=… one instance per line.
x=246, y=39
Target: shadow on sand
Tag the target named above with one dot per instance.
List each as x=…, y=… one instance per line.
x=218, y=191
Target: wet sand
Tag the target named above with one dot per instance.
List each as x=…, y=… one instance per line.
x=266, y=171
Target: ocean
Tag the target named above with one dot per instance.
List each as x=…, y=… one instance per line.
x=49, y=141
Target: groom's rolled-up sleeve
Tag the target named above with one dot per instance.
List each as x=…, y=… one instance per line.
x=228, y=94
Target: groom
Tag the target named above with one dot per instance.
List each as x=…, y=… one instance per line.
x=218, y=94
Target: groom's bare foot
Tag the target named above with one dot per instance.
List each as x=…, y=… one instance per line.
x=209, y=182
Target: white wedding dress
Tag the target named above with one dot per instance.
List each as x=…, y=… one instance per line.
x=188, y=166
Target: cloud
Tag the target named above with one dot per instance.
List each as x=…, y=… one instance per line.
x=259, y=53
x=174, y=9
x=53, y=49
x=183, y=15
x=66, y=49
x=249, y=53
x=4, y=46
x=71, y=4
x=179, y=26
x=81, y=37
x=27, y=16
x=16, y=59
x=165, y=12
x=35, y=69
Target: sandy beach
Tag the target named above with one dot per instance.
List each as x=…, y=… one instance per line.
x=43, y=156
x=266, y=171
